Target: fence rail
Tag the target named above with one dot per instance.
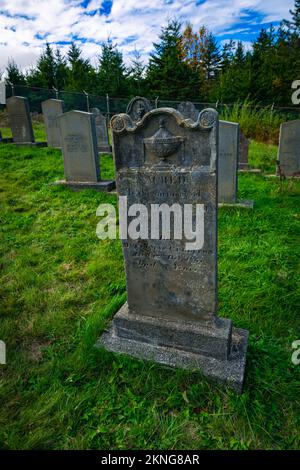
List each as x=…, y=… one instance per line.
x=109, y=106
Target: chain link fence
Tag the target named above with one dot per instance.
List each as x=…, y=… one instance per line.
x=109, y=106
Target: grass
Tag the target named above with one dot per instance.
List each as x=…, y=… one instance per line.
x=260, y=123
x=60, y=286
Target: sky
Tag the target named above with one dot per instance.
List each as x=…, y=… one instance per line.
x=25, y=25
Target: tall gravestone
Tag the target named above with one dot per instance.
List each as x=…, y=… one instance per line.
x=20, y=120
x=289, y=149
x=101, y=131
x=51, y=110
x=243, y=152
x=138, y=107
x=79, y=147
x=228, y=161
x=188, y=110
x=171, y=313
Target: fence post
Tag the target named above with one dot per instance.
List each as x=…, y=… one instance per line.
x=107, y=107
x=87, y=101
x=56, y=92
x=12, y=88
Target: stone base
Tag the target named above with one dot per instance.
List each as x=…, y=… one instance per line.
x=246, y=204
x=249, y=170
x=31, y=144
x=296, y=177
x=105, y=149
x=218, y=351
x=98, y=186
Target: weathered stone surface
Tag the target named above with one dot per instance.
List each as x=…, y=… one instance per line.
x=171, y=315
x=51, y=110
x=243, y=152
x=228, y=161
x=137, y=107
x=101, y=131
x=289, y=149
x=188, y=110
x=79, y=147
x=20, y=120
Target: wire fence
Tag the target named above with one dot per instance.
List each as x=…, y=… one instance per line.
x=109, y=106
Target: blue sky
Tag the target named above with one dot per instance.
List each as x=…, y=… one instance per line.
x=25, y=25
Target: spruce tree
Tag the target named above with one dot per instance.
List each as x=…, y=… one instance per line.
x=168, y=75
x=13, y=74
x=112, y=76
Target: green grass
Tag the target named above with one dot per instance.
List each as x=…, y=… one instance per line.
x=38, y=130
x=60, y=286
x=260, y=123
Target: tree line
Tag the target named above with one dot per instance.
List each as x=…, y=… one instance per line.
x=185, y=64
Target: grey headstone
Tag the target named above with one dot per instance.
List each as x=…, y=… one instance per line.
x=51, y=110
x=289, y=148
x=101, y=131
x=79, y=146
x=20, y=120
x=188, y=110
x=228, y=161
x=138, y=107
x=243, y=152
x=171, y=314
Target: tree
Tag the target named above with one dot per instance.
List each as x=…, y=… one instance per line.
x=112, y=76
x=81, y=73
x=293, y=25
x=136, y=74
x=201, y=54
x=168, y=75
x=13, y=74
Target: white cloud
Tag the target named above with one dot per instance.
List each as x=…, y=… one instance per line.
x=62, y=20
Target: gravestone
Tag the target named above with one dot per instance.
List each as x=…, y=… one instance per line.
x=138, y=107
x=188, y=110
x=101, y=131
x=79, y=147
x=243, y=152
x=171, y=312
x=228, y=161
x=20, y=120
x=289, y=149
x=51, y=110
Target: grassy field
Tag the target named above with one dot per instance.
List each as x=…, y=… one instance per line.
x=60, y=286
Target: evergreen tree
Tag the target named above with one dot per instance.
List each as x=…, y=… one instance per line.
x=13, y=74
x=136, y=74
x=112, y=77
x=168, y=75
x=81, y=73
x=293, y=25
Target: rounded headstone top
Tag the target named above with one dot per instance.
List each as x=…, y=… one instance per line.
x=188, y=110
x=138, y=107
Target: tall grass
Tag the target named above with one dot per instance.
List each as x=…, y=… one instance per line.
x=258, y=123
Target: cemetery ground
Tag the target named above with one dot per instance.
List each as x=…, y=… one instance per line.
x=60, y=286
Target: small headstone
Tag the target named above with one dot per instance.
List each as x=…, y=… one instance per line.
x=51, y=110
x=289, y=148
x=188, y=110
x=243, y=152
x=20, y=120
x=171, y=313
x=79, y=147
x=138, y=107
x=228, y=161
x=101, y=131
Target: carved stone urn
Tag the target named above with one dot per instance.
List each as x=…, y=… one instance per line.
x=162, y=144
